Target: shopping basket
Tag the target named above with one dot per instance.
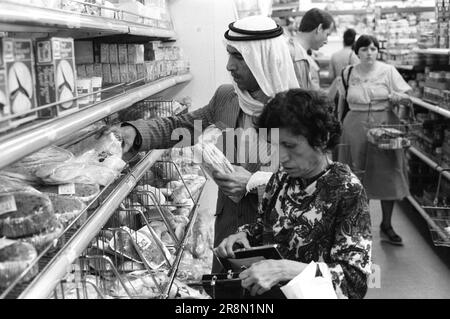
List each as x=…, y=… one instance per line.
x=392, y=136
x=439, y=212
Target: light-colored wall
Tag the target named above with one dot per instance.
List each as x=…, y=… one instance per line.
x=200, y=25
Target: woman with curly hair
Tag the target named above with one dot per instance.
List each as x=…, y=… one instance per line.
x=314, y=209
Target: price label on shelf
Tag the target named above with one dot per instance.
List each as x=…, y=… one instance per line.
x=66, y=189
x=7, y=204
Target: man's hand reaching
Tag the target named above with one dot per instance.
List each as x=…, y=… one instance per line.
x=127, y=134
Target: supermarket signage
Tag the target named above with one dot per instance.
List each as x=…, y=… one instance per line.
x=66, y=189
x=7, y=204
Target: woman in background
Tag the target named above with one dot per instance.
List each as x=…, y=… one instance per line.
x=373, y=85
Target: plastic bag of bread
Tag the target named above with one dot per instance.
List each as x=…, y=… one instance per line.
x=77, y=172
x=26, y=168
x=15, y=257
x=208, y=155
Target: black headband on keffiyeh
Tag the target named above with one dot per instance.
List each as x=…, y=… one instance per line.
x=249, y=35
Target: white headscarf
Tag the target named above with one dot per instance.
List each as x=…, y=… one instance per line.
x=269, y=60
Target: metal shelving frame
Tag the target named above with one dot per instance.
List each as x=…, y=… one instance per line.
x=15, y=146
x=287, y=11
x=42, y=285
x=15, y=17
x=32, y=21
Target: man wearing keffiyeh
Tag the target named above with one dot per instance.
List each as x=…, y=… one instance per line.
x=260, y=66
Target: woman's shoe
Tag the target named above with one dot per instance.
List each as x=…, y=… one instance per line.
x=391, y=235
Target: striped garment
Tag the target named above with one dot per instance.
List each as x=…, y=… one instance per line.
x=223, y=110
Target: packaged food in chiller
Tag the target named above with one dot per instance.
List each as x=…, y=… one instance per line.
x=193, y=186
x=26, y=168
x=143, y=241
x=150, y=196
x=101, y=164
x=141, y=284
x=83, y=192
x=50, y=236
x=73, y=172
x=67, y=209
x=25, y=213
x=15, y=257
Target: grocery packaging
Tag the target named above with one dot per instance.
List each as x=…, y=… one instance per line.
x=124, y=76
x=24, y=213
x=15, y=257
x=56, y=77
x=115, y=74
x=84, y=52
x=4, y=101
x=19, y=67
x=123, y=53
x=97, y=82
x=84, y=86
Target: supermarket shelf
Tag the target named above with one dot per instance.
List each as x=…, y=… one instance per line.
x=427, y=218
x=436, y=51
x=16, y=17
x=17, y=146
x=289, y=13
x=405, y=67
x=431, y=107
x=49, y=277
x=285, y=6
x=429, y=162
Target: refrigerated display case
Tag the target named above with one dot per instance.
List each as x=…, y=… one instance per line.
x=98, y=254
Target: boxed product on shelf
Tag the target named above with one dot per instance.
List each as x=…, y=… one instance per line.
x=81, y=71
x=141, y=71
x=20, y=76
x=84, y=8
x=84, y=86
x=115, y=73
x=132, y=72
x=113, y=53
x=135, y=53
x=124, y=76
x=106, y=73
x=98, y=69
x=4, y=102
x=104, y=53
x=89, y=70
x=56, y=77
x=97, y=83
x=122, y=53
x=84, y=52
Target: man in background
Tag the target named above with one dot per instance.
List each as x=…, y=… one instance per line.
x=345, y=56
x=315, y=27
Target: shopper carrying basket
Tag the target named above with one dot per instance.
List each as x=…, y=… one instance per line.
x=373, y=85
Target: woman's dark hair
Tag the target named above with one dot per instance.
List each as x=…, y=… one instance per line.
x=349, y=37
x=313, y=18
x=303, y=112
x=365, y=40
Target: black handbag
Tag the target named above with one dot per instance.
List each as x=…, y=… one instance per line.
x=345, y=108
x=228, y=286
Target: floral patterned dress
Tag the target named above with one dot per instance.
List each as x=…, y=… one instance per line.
x=324, y=220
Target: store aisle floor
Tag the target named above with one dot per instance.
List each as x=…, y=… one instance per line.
x=410, y=271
